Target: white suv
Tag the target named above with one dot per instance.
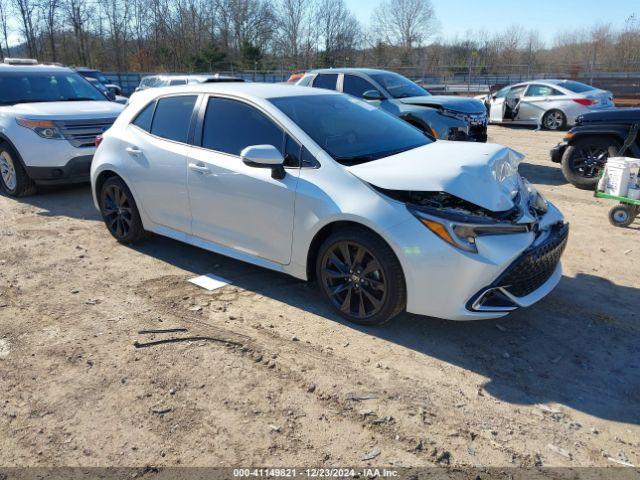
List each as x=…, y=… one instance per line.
x=49, y=119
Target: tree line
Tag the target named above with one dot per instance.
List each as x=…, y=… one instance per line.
x=293, y=35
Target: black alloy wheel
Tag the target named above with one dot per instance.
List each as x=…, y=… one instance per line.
x=583, y=160
x=117, y=211
x=361, y=277
x=354, y=279
x=120, y=212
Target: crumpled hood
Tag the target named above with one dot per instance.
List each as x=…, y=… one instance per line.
x=68, y=110
x=484, y=174
x=458, y=104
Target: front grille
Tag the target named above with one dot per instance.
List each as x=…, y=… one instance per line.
x=477, y=119
x=536, y=265
x=82, y=133
x=478, y=133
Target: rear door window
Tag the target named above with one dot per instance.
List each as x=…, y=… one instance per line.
x=230, y=126
x=356, y=86
x=541, y=91
x=326, y=80
x=173, y=117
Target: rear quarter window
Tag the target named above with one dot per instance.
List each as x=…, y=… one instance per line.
x=143, y=119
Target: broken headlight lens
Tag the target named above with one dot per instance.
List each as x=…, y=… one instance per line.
x=460, y=233
x=536, y=199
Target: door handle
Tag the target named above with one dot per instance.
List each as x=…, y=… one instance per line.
x=199, y=168
x=133, y=151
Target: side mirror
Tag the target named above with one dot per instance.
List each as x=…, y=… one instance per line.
x=264, y=156
x=111, y=96
x=372, y=95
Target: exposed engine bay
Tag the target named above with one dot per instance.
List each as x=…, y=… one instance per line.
x=445, y=202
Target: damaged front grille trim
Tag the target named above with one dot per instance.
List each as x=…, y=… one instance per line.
x=542, y=261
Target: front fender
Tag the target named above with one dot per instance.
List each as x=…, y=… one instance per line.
x=431, y=117
x=619, y=133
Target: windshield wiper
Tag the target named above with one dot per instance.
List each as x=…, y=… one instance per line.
x=79, y=99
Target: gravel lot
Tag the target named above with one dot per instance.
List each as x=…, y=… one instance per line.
x=557, y=384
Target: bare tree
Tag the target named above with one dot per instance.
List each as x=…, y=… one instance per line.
x=405, y=23
x=338, y=31
x=49, y=9
x=78, y=14
x=117, y=15
x=293, y=18
x=4, y=7
x=29, y=20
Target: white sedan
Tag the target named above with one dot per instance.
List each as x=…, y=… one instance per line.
x=550, y=104
x=320, y=185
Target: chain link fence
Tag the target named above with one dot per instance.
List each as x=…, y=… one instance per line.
x=457, y=80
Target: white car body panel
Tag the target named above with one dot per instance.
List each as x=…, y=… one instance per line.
x=83, y=110
x=241, y=212
x=486, y=176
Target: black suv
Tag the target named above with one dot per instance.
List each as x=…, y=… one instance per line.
x=595, y=137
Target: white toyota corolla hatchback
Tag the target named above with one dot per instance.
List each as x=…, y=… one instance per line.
x=323, y=186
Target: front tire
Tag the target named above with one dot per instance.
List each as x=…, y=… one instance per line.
x=13, y=176
x=583, y=161
x=120, y=212
x=554, y=120
x=361, y=277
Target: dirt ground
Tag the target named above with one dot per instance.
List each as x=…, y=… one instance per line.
x=290, y=384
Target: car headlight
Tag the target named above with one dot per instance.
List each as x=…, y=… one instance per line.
x=44, y=128
x=536, y=199
x=451, y=113
x=462, y=231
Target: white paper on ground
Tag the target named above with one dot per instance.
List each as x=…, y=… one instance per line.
x=209, y=281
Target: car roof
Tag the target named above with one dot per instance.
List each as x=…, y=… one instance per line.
x=41, y=68
x=544, y=81
x=366, y=71
x=247, y=90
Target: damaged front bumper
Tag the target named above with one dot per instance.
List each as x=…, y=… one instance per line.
x=532, y=276
x=446, y=282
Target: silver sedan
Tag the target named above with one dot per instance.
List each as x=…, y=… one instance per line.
x=550, y=104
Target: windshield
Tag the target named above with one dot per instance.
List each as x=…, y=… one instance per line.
x=349, y=130
x=97, y=75
x=399, y=86
x=30, y=87
x=576, y=87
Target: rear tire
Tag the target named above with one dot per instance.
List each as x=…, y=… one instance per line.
x=360, y=277
x=13, y=176
x=583, y=161
x=120, y=212
x=554, y=120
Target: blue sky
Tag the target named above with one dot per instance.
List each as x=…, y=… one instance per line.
x=546, y=16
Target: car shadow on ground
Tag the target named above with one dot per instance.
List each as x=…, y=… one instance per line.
x=542, y=174
x=72, y=201
x=579, y=347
